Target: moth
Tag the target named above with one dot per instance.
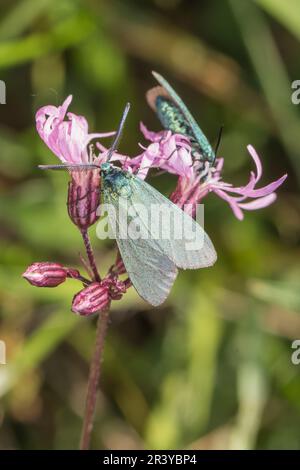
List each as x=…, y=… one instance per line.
x=151, y=252
x=175, y=116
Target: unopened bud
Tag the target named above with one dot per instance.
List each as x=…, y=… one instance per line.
x=91, y=299
x=97, y=296
x=45, y=274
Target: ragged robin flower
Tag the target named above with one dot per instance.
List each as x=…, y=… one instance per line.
x=172, y=153
x=66, y=134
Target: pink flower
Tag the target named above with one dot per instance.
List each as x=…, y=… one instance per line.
x=172, y=152
x=66, y=134
x=48, y=274
x=68, y=139
x=238, y=197
x=169, y=152
x=97, y=296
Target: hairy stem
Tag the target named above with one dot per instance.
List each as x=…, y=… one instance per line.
x=90, y=254
x=95, y=365
x=94, y=377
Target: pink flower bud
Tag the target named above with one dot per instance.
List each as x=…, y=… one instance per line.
x=84, y=197
x=91, y=299
x=97, y=296
x=45, y=274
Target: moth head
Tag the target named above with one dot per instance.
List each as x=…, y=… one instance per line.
x=105, y=167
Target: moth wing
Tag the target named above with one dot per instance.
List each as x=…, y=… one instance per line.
x=169, y=91
x=150, y=270
x=180, y=237
x=153, y=93
x=199, y=135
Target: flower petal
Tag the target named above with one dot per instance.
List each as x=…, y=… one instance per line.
x=68, y=139
x=233, y=204
x=259, y=203
x=267, y=189
x=257, y=161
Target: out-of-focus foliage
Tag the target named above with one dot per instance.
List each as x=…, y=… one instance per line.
x=212, y=367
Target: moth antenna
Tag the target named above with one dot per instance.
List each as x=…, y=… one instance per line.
x=219, y=139
x=73, y=167
x=119, y=132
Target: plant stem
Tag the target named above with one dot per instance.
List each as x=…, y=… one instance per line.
x=95, y=366
x=84, y=280
x=94, y=376
x=90, y=254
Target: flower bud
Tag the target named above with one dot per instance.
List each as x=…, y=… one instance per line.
x=45, y=274
x=97, y=296
x=84, y=197
x=91, y=299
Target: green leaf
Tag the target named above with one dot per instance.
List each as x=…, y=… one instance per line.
x=41, y=343
x=65, y=34
x=21, y=17
x=187, y=389
x=282, y=293
x=285, y=12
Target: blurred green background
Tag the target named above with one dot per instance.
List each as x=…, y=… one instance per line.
x=212, y=367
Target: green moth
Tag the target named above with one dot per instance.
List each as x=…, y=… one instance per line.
x=175, y=116
x=152, y=262
x=153, y=258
